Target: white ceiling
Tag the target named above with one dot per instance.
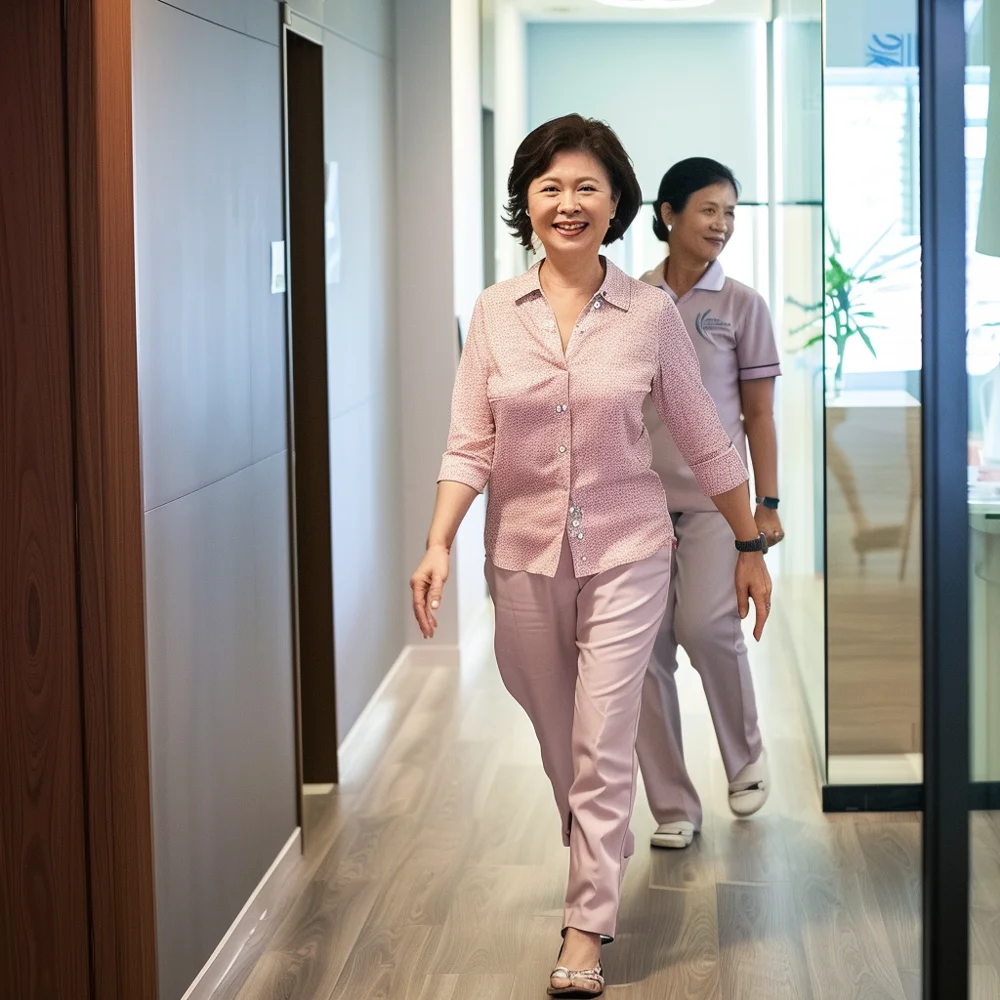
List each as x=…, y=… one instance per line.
x=591, y=10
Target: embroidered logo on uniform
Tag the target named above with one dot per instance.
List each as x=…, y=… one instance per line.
x=706, y=321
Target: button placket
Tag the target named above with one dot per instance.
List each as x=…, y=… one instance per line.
x=575, y=524
x=561, y=408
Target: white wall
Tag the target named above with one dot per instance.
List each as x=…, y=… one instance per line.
x=510, y=88
x=668, y=90
x=467, y=229
x=369, y=572
x=798, y=82
x=799, y=10
x=436, y=181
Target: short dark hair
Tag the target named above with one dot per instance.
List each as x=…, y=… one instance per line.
x=571, y=132
x=681, y=181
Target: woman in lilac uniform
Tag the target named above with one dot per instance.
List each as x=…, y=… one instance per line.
x=547, y=411
x=730, y=328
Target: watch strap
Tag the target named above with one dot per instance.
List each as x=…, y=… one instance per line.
x=771, y=503
x=758, y=544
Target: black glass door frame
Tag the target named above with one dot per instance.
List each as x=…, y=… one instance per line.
x=945, y=511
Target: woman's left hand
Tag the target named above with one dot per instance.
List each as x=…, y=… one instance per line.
x=768, y=521
x=753, y=583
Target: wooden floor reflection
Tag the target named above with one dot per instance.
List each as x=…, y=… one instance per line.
x=435, y=872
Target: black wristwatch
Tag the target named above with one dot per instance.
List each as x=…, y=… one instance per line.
x=759, y=544
x=771, y=503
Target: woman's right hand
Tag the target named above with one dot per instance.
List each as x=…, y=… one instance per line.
x=427, y=583
x=753, y=583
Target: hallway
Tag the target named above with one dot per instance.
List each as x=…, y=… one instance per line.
x=436, y=871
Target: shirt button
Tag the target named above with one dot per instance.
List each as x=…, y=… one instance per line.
x=576, y=522
x=579, y=535
x=583, y=558
x=562, y=449
x=572, y=510
x=597, y=304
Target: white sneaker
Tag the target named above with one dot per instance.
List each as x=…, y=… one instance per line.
x=675, y=835
x=749, y=790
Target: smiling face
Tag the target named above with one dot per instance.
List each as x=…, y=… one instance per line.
x=571, y=204
x=706, y=225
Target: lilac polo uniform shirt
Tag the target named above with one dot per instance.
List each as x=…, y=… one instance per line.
x=730, y=327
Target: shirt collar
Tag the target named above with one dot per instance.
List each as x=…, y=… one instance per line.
x=713, y=280
x=615, y=289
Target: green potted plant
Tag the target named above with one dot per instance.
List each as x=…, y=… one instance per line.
x=842, y=314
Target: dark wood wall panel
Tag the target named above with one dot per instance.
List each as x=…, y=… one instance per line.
x=43, y=889
x=110, y=499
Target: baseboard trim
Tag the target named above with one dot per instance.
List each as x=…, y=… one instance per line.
x=229, y=948
x=359, y=723
x=873, y=798
x=434, y=656
x=409, y=656
x=793, y=666
x=983, y=795
x=427, y=655
x=479, y=642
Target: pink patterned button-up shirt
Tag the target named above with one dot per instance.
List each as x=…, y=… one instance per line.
x=560, y=439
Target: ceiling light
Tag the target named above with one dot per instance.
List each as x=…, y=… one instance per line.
x=654, y=4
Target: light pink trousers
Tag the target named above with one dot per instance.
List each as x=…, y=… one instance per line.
x=573, y=652
x=702, y=617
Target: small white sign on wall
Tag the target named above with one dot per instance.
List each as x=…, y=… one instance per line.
x=278, y=267
x=331, y=213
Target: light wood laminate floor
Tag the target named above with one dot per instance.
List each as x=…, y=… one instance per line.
x=435, y=872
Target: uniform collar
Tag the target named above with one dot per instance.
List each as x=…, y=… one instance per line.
x=615, y=289
x=713, y=280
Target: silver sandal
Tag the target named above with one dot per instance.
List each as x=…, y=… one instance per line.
x=575, y=990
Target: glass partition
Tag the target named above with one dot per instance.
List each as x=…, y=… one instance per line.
x=982, y=151
x=870, y=328
x=796, y=279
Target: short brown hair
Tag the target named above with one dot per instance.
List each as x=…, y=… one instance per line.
x=571, y=132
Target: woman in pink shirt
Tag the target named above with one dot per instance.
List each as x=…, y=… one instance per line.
x=547, y=412
x=730, y=329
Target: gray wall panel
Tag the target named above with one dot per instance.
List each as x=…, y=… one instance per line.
x=213, y=369
x=220, y=720
x=209, y=201
x=369, y=575
x=258, y=18
x=208, y=147
x=273, y=762
x=367, y=24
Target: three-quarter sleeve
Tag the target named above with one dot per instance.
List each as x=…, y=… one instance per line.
x=688, y=410
x=469, y=455
x=756, y=348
